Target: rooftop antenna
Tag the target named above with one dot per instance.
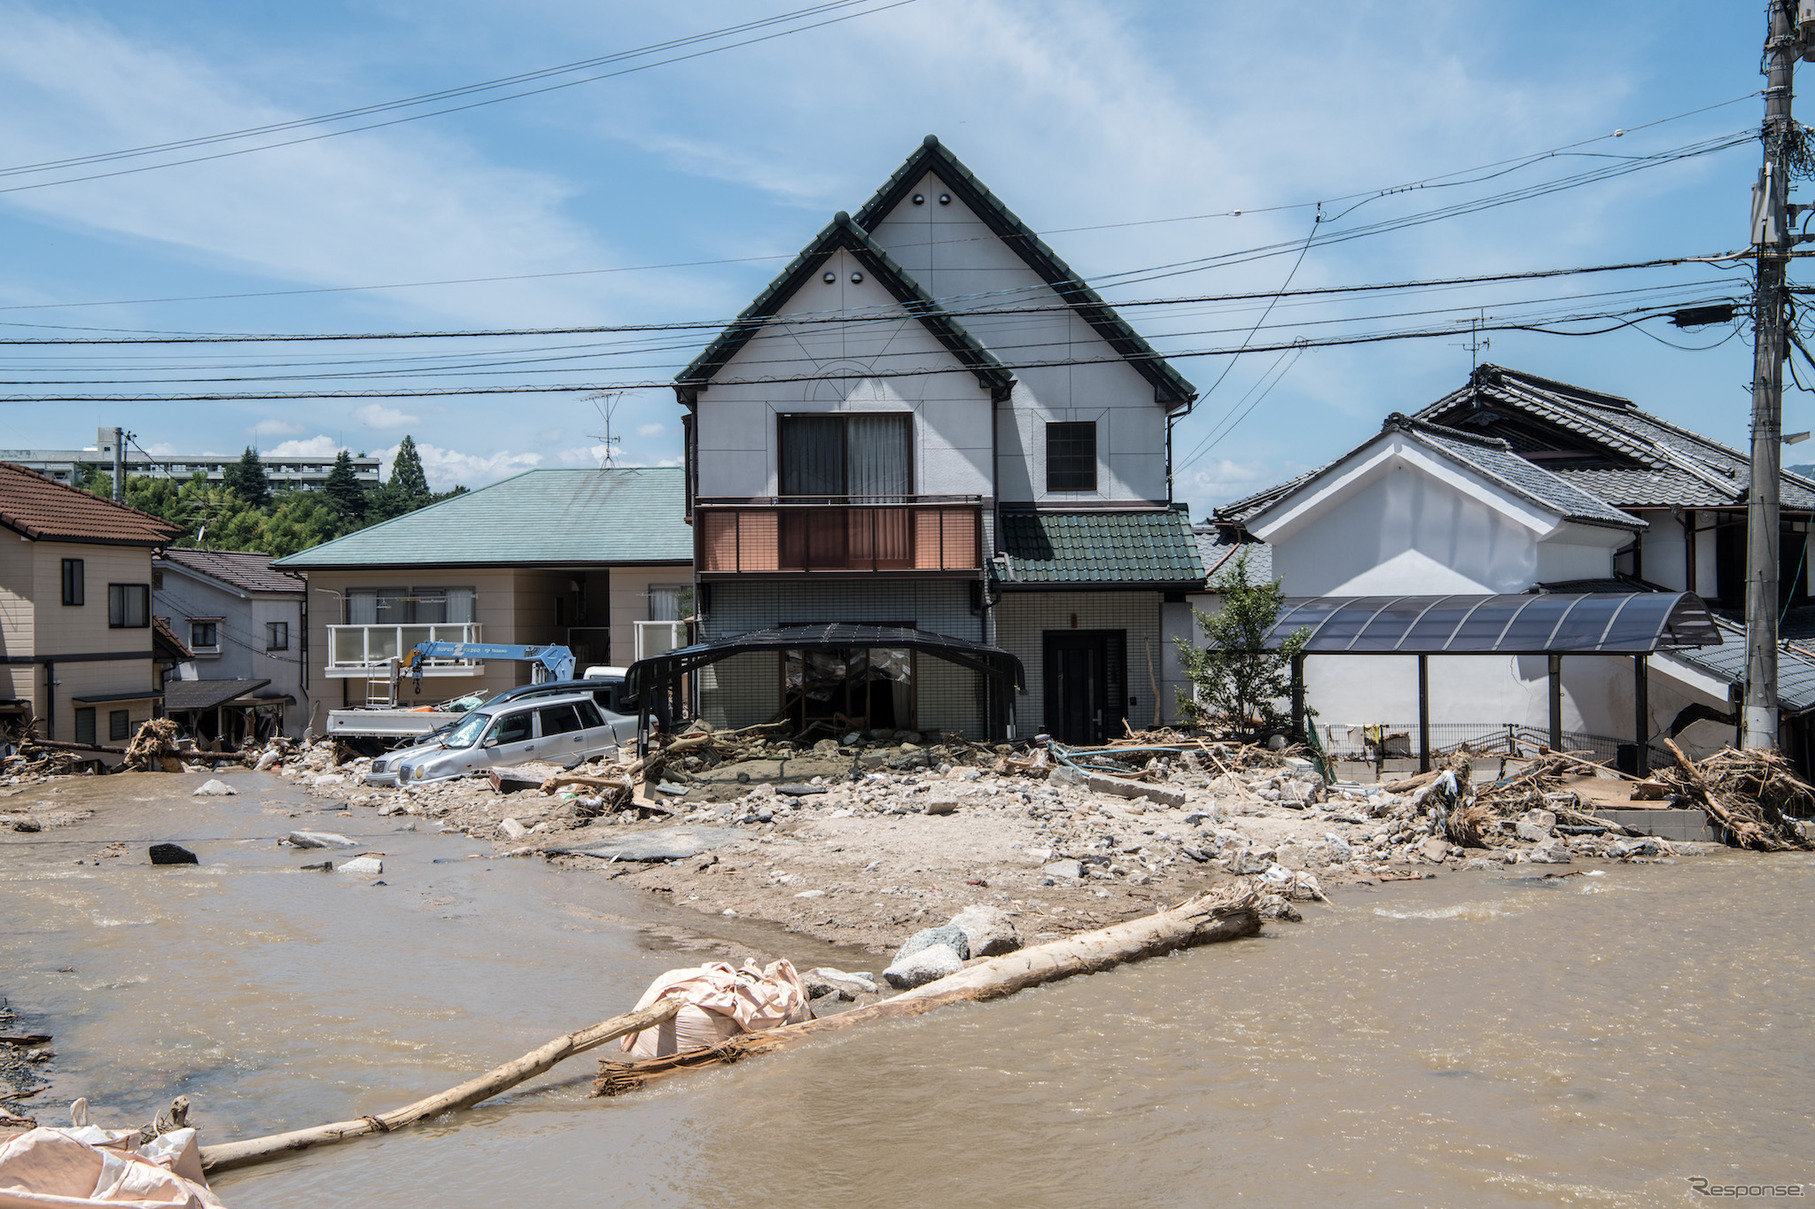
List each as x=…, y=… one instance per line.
x=1476, y=342
x=606, y=404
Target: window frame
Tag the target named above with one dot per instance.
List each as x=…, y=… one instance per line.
x=213, y=625
x=844, y=459
x=117, y=613
x=75, y=582
x=1057, y=481
x=273, y=631
x=119, y=725
x=85, y=721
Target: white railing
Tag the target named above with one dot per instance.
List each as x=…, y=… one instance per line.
x=362, y=650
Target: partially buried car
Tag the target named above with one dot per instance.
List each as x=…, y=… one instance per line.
x=562, y=728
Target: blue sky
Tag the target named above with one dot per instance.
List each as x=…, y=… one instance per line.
x=1091, y=120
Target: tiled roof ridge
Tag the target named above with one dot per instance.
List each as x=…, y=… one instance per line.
x=36, y=480
x=933, y=155
x=845, y=232
x=1403, y=423
x=1487, y=371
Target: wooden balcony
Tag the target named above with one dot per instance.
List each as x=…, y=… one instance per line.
x=916, y=534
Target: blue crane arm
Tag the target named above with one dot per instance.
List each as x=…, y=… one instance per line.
x=558, y=660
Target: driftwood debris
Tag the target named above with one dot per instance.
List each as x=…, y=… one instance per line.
x=1747, y=793
x=256, y=1150
x=154, y=748
x=1225, y=913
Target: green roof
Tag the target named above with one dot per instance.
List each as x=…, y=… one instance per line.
x=539, y=518
x=842, y=233
x=1102, y=546
x=1169, y=386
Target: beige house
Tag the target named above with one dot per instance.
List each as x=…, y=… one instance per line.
x=78, y=649
x=589, y=559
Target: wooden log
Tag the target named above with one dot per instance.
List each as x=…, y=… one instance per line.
x=256, y=1150
x=1215, y=915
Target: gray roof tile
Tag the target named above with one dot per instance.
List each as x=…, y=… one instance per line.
x=539, y=518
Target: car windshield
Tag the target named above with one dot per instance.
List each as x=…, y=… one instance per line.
x=467, y=731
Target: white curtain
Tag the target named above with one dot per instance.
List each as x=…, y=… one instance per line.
x=878, y=456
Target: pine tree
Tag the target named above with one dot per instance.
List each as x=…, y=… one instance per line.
x=344, y=492
x=408, y=482
x=247, y=478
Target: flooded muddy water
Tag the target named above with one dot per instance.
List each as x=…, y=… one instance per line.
x=1473, y=1040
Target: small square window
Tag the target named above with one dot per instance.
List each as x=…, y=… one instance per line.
x=74, y=590
x=204, y=636
x=1071, y=456
x=119, y=725
x=85, y=724
x=128, y=606
x=277, y=635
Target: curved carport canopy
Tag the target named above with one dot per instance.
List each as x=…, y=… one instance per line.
x=1552, y=624
x=654, y=681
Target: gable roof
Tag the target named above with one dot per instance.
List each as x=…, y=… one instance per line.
x=1486, y=457
x=1622, y=454
x=1218, y=546
x=1100, y=546
x=47, y=511
x=628, y=516
x=1169, y=386
x=247, y=570
x=842, y=234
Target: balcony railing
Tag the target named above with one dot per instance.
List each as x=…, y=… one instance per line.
x=361, y=650
x=923, y=533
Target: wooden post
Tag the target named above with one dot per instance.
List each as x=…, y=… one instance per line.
x=1556, y=702
x=1298, y=695
x=1641, y=710
x=1424, y=713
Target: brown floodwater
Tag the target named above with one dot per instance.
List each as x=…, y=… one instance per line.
x=1473, y=1040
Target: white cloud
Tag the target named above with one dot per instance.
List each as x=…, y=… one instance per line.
x=449, y=468
x=651, y=430
x=1223, y=480
x=275, y=428
x=309, y=447
x=377, y=415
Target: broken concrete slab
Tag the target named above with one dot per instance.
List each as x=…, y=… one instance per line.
x=368, y=865
x=320, y=839
x=665, y=844
x=1164, y=795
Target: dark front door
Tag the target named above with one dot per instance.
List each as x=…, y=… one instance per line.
x=1081, y=699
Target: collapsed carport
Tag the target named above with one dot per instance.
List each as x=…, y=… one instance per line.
x=1551, y=624
x=655, y=683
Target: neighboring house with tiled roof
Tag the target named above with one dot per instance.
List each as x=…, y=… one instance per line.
x=77, y=649
x=1519, y=483
x=929, y=420
x=577, y=557
x=242, y=621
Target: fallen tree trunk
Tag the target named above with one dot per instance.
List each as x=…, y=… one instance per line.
x=1225, y=914
x=256, y=1150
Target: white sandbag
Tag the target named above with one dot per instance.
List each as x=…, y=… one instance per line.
x=721, y=1003
x=91, y=1166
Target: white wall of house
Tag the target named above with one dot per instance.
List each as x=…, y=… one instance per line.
x=956, y=258
x=738, y=431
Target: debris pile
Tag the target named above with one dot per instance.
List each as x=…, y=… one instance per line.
x=154, y=748
x=1749, y=793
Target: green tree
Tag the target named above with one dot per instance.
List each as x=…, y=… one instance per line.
x=300, y=520
x=1234, y=678
x=247, y=477
x=344, y=492
x=406, y=490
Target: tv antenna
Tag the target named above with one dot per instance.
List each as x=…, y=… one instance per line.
x=1477, y=343
x=606, y=404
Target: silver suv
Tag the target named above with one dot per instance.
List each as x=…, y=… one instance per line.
x=562, y=729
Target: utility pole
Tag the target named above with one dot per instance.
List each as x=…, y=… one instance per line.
x=1771, y=235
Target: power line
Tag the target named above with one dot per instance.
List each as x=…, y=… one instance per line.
x=206, y=140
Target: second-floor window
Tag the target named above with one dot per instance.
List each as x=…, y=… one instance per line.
x=277, y=635
x=128, y=606
x=847, y=455
x=1071, y=456
x=204, y=634
x=409, y=606
x=74, y=592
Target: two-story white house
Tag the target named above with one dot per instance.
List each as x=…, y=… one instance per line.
x=929, y=482
x=243, y=624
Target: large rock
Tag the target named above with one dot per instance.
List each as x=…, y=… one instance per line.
x=320, y=839
x=1165, y=795
x=1068, y=870
x=988, y=930
x=214, y=789
x=1436, y=849
x=1553, y=852
x=950, y=935
x=941, y=803
x=173, y=854
x=927, y=965
x=1250, y=861
x=665, y=844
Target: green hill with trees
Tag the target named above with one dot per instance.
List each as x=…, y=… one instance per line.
x=243, y=512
